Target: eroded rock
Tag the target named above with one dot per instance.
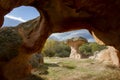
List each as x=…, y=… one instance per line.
x=100, y=17
x=109, y=55
x=15, y=55
x=74, y=44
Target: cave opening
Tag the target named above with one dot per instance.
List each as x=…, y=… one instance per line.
x=19, y=15
x=67, y=44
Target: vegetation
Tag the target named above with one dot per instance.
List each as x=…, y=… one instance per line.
x=90, y=48
x=55, y=48
x=10, y=41
x=85, y=69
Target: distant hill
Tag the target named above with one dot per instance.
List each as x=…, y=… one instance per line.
x=67, y=35
x=10, y=22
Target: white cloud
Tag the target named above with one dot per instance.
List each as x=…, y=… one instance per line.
x=15, y=18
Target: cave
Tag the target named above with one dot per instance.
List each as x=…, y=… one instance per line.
x=100, y=18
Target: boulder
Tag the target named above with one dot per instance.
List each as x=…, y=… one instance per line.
x=109, y=55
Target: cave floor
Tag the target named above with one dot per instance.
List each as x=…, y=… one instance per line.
x=83, y=69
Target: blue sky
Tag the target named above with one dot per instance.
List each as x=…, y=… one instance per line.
x=23, y=13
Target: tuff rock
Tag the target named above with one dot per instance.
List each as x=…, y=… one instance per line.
x=74, y=44
x=100, y=17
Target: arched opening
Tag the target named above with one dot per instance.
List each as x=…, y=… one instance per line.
x=19, y=15
x=58, y=64
x=77, y=33
x=70, y=66
x=67, y=43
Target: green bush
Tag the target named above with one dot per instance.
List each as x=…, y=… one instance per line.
x=85, y=49
x=10, y=42
x=54, y=48
x=90, y=48
x=96, y=47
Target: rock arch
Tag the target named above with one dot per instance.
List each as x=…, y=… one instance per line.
x=100, y=17
x=19, y=15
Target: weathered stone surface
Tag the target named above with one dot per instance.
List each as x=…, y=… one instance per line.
x=109, y=55
x=15, y=55
x=74, y=44
x=100, y=17
x=63, y=15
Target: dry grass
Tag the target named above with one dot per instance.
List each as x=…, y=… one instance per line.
x=85, y=69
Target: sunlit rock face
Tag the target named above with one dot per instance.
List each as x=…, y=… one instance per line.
x=74, y=44
x=109, y=56
x=100, y=17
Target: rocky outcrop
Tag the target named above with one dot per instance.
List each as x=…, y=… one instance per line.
x=100, y=17
x=74, y=44
x=108, y=55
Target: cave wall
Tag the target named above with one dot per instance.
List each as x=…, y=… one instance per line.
x=16, y=49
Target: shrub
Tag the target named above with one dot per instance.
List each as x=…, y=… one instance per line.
x=96, y=47
x=10, y=42
x=55, y=48
x=90, y=48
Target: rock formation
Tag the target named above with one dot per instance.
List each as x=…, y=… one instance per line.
x=109, y=55
x=74, y=44
x=16, y=61
x=100, y=17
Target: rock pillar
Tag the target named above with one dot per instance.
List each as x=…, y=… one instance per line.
x=74, y=44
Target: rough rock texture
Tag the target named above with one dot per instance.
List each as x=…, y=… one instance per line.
x=109, y=55
x=74, y=44
x=16, y=59
x=100, y=17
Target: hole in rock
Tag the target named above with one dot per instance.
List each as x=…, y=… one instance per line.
x=67, y=43
x=19, y=15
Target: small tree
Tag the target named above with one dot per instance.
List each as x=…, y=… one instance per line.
x=96, y=47
x=89, y=48
x=49, y=47
x=85, y=49
x=55, y=48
